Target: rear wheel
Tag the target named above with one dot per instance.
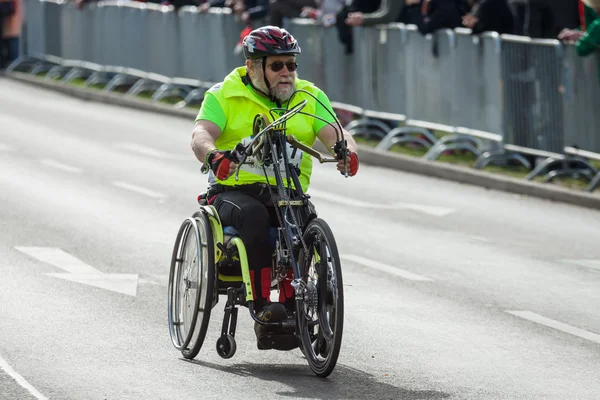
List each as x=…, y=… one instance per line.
x=191, y=285
x=321, y=313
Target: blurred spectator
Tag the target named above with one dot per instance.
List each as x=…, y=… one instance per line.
x=587, y=15
x=411, y=13
x=255, y=11
x=11, y=14
x=177, y=4
x=279, y=9
x=490, y=16
x=206, y=4
x=588, y=41
x=325, y=13
x=388, y=11
x=440, y=14
x=345, y=30
x=364, y=12
x=519, y=8
x=546, y=18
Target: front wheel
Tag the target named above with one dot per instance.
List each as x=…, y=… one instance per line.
x=321, y=312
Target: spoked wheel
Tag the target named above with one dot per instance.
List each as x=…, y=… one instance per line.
x=191, y=285
x=321, y=314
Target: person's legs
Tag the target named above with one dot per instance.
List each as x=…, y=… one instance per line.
x=250, y=217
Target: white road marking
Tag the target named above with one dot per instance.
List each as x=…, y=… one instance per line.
x=589, y=263
x=140, y=190
x=430, y=210
x=20, y=380
x=78, y=271
x=58, y=165
x=149, y=151
x=120, y=283
x=384, y=268
x=154, y=279
x=5, y=147
x=60, y=259
x=528, y=315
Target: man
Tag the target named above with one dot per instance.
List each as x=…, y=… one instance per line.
x=587, y=41
x=490, y=16
x=225, y=119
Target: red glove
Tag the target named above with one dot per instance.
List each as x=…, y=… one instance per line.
x=352, y=160
x=219, y=163
x=353, y=164
x=350, y=157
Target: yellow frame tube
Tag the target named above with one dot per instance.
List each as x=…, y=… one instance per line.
x=237, y=242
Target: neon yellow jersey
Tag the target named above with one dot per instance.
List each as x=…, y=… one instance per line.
x=232, y=106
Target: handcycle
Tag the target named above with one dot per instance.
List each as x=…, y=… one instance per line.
x=209, y=260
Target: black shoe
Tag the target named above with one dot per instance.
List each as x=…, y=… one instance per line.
x=274, y=312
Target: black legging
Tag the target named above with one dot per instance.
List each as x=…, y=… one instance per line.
x=251, y=213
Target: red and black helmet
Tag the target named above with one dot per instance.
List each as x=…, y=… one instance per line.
x=269, y=41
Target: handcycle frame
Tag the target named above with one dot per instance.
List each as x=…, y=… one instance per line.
x=268, y=147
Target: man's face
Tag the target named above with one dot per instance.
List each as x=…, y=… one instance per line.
x=281, y=79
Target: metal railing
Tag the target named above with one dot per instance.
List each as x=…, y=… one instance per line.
x=498, y=96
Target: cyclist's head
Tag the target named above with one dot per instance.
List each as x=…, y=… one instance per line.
x=269, y=41
x=271, y=61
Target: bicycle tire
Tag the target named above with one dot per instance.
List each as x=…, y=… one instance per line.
x=203, y=285
x=318, y=233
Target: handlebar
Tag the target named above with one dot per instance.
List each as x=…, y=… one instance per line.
x=241, y=152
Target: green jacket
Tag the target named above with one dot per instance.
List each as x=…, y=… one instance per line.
x=232, y=106
x=590, y=42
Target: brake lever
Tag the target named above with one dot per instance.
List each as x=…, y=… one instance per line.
x=238, y=156
x=342, y=151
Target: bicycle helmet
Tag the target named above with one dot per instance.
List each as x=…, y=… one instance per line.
x=269, y=41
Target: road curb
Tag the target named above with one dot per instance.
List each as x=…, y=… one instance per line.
x=368, y=155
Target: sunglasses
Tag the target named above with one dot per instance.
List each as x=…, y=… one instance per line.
x=278, y=66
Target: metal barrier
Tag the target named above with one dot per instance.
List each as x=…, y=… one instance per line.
x=531, y=73
x=498, y=96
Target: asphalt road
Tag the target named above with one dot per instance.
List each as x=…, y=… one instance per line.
x=451, y=291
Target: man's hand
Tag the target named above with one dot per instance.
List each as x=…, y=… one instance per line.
x=204, y=7
x=570, y=35
x=469, y=20
x=355, y=19
x=352, y=162
x=221, y=165
x=351, y=158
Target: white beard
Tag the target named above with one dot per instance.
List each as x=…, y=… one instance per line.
x=281, y=93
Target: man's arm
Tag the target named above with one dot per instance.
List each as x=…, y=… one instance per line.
x=389, y=11
x=328, y=136
x=590, y=41
x=204, y=136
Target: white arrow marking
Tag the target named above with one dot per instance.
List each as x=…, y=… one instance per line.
x=20, y=380
x=149, y=151
x=528, y=315
x=78, y=271
x=431, y=210
x=384, y=268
